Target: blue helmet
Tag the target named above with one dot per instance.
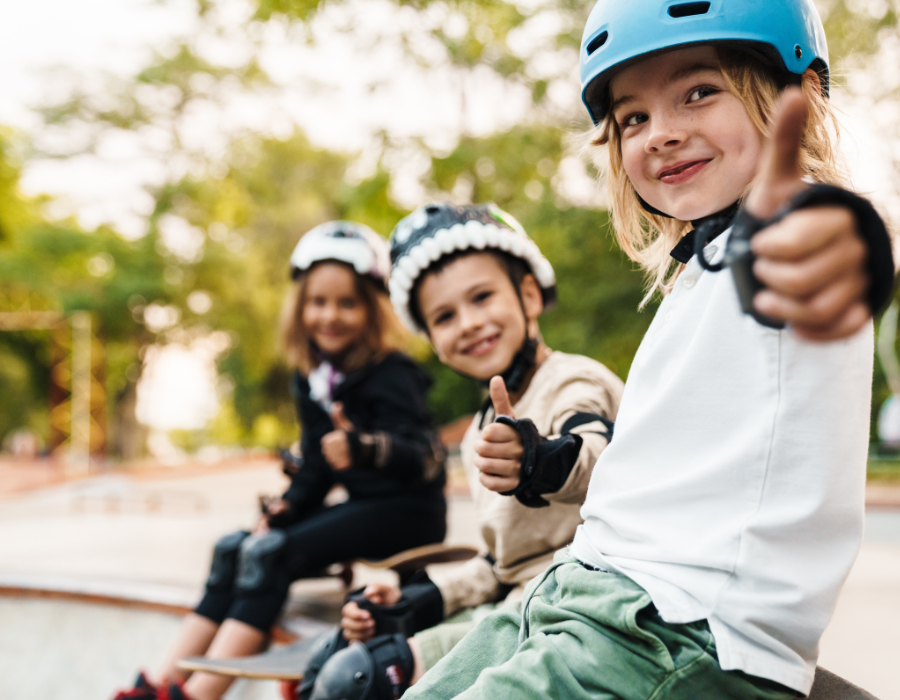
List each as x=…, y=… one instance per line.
x=785, y=34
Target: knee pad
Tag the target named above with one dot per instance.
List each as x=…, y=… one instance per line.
x=223, y=569
x=331, y=643
x=380, y=669
x=257, y=562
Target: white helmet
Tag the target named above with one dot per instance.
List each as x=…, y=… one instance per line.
x=437, y=230
x=346, y=242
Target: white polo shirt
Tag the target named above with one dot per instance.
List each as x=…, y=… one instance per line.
x=733, y=489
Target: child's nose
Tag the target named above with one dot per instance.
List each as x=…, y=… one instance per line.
x=664, y=134
x=330, y=312
x=470, y=319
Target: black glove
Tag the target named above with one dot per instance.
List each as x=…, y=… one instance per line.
x=546, y=464
x=421, y=606
x=739, y=257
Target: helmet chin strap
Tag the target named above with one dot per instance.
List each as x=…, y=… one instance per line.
x=520, y=366
x=522, y=363
x=726, y=213
x=515, y=374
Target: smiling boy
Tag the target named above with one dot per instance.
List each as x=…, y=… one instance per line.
x=472, y=281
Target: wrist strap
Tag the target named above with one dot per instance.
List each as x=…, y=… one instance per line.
x=739, y=256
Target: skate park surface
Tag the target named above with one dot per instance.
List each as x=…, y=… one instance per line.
x=96, y=572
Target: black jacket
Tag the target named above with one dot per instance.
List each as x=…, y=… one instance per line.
x=395, y=447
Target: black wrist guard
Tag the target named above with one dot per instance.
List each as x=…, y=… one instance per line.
x=546, y=464
x=290, y=464
x=369, y=450
x=739, y=257
x=421, y=606
x=277, y=520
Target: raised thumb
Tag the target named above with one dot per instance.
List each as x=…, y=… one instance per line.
x=779, y=176
x=500, y=398
x=338, y=419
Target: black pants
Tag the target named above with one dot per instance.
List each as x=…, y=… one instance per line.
x=367, y=529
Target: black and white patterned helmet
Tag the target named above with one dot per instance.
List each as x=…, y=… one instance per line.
x=347, y=242
x=436, y=230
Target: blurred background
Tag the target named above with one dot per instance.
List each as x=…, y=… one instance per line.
x=159, y=159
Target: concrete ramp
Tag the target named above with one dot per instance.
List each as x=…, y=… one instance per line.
x=83, y=640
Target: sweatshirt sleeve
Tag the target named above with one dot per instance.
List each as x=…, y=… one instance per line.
x=399, y=439
x=313, y=479
x=309, y=485
x=585, y=394
x=466, y=586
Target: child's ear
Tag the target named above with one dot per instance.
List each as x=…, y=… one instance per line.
x=815, y=78
x=532, y=299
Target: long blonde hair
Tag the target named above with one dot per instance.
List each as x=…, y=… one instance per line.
x=647, y=238
x=384, y=333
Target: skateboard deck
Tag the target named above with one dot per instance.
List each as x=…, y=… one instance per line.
x=288, y=663
x=282, y=664
x=420, y=557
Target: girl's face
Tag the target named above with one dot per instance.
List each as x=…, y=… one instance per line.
x=688, y=145
x=474, y=316
x=334, y=313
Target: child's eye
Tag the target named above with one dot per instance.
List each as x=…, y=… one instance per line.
x=482, y=296
x=633, y=120
x=348, y=303
x=700, y=92
x=442, y=318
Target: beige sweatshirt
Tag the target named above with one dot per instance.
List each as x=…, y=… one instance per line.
x=520, y=539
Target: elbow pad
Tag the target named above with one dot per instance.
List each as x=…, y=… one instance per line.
x=421, y=606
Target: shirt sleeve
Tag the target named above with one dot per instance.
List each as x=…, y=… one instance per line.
x=582, y=394
x=466, y=586
x=399, y=439
x=313, y=479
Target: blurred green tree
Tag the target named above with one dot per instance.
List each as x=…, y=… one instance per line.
x=57, y=266
x=244, y=208
x=271, y=193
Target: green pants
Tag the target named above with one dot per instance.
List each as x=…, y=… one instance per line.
x=586, y=634
x=438, y=641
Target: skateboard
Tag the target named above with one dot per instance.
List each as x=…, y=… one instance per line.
x=281, y=664
x=418, y=558
x=288, y=663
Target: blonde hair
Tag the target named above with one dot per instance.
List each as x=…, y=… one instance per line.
x=384, y=333
x=647, y=238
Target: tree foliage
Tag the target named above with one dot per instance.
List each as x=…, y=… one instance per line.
x=243, y=207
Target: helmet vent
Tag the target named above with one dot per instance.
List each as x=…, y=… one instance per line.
x=597, y=42
x=689, y=9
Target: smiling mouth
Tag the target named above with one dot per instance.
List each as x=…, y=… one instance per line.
x=481, y=347
x=682, y=171
x=332, y=332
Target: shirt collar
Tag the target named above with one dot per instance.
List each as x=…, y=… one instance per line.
x=718, y=224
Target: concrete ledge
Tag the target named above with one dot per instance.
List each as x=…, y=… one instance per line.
x=144, y=596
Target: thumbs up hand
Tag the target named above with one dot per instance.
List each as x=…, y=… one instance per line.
x=813, y=261
x=339, y=418
x=498, y=454
x=335, y=445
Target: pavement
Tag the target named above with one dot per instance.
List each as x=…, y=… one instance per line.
x=147, y=534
